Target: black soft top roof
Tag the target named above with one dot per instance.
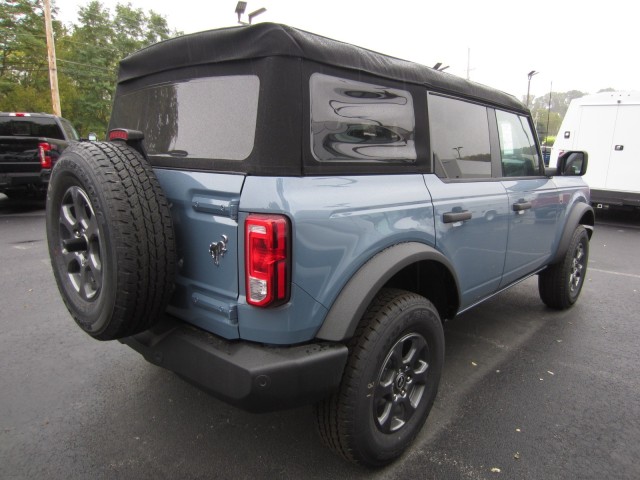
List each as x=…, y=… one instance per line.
x=269, y=39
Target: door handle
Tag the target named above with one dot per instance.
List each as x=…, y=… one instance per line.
x=453, y=217
x=521, y=206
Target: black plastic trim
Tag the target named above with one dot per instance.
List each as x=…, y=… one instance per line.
x=251, y=376
x=343, y=317
x=573, y=220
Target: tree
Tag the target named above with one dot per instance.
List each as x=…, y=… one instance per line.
x=87, y=56
x=548, y=113
x=99, y=42
x=24, y=67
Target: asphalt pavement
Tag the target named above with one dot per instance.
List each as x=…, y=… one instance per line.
x=527, y=392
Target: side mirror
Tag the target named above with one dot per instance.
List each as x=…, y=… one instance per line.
x=571, y=164
x=92, y=137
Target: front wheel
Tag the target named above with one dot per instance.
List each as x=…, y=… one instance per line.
x=560, y=284
x=389, y=383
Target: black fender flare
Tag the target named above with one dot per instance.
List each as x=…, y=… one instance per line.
x=573, y=220
x=352, y=302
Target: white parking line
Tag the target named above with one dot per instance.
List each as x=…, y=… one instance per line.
x=620, y=274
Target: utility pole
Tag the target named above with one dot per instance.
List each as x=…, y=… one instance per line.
x=51, y=54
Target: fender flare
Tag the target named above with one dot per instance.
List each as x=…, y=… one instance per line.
x=352, y=302
x=573, y=220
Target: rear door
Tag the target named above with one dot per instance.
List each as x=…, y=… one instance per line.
x=470, y=205
x=623, y=173
x=204, y=207
x=595, y=135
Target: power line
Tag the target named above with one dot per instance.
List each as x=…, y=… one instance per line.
x=85, y=65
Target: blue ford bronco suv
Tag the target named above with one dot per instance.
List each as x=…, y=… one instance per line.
x=284, y=219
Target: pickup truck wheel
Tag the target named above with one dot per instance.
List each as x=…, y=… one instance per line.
x=390, y=381
x=110, y=239
x=560, y=284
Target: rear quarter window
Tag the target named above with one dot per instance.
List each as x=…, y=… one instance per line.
x=354, y=121
x=209, y=118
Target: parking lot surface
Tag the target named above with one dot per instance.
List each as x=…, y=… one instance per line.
x=527, y=392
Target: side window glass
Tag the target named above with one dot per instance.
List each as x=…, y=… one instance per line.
x=357, y=121
x=517, y=147
x=460, y=143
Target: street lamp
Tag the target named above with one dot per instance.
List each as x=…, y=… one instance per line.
x=529, y=75
x=240, y=9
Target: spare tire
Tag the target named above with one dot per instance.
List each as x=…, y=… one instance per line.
x=111, y=239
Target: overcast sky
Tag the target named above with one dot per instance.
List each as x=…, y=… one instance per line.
x=577, y=45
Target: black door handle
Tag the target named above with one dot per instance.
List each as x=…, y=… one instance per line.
x=521, y=206
x=453, y=217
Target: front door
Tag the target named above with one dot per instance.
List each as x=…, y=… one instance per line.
x=534, y=202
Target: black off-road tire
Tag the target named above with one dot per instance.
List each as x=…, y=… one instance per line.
x=390, y=381
x=111, y=239
x=560, y=284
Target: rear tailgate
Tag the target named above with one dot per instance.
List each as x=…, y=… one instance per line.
x=18, y=156
x=204, y=207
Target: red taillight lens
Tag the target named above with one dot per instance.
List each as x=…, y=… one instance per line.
x=119, y=134
x=44, y=150
x=267, y=260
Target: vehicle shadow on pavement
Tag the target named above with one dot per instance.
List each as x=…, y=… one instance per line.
x=20, y=205
x=140, y=421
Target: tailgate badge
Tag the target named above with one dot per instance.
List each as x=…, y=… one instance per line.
x=218, y=249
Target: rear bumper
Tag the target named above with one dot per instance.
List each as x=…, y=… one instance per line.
x=21, y=180
x=247, y=375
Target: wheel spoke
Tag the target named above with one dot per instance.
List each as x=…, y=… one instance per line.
x=396, y=359
x=79, y=205
x=88, y=287
x=96, y=274
x=419, y=374
x=412, y=358
x=384, y=416
x=68, y=221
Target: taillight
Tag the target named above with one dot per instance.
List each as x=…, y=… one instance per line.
x=118, y=134
x=125, y=134
x=44, y=150
x=267, y=262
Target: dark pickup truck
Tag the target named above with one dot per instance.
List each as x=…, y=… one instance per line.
x=30, y=144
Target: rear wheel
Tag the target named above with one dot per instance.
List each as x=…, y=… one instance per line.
x=390, y=381
x=110, y=239
x=560, y=284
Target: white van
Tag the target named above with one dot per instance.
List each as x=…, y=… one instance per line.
x=607, y=126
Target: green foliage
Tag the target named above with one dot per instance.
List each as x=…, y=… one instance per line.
x=87, y=58
x=549, y=111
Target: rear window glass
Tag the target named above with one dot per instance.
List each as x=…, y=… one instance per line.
x=204, y=118
x=357, y=121
x=30, y=127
